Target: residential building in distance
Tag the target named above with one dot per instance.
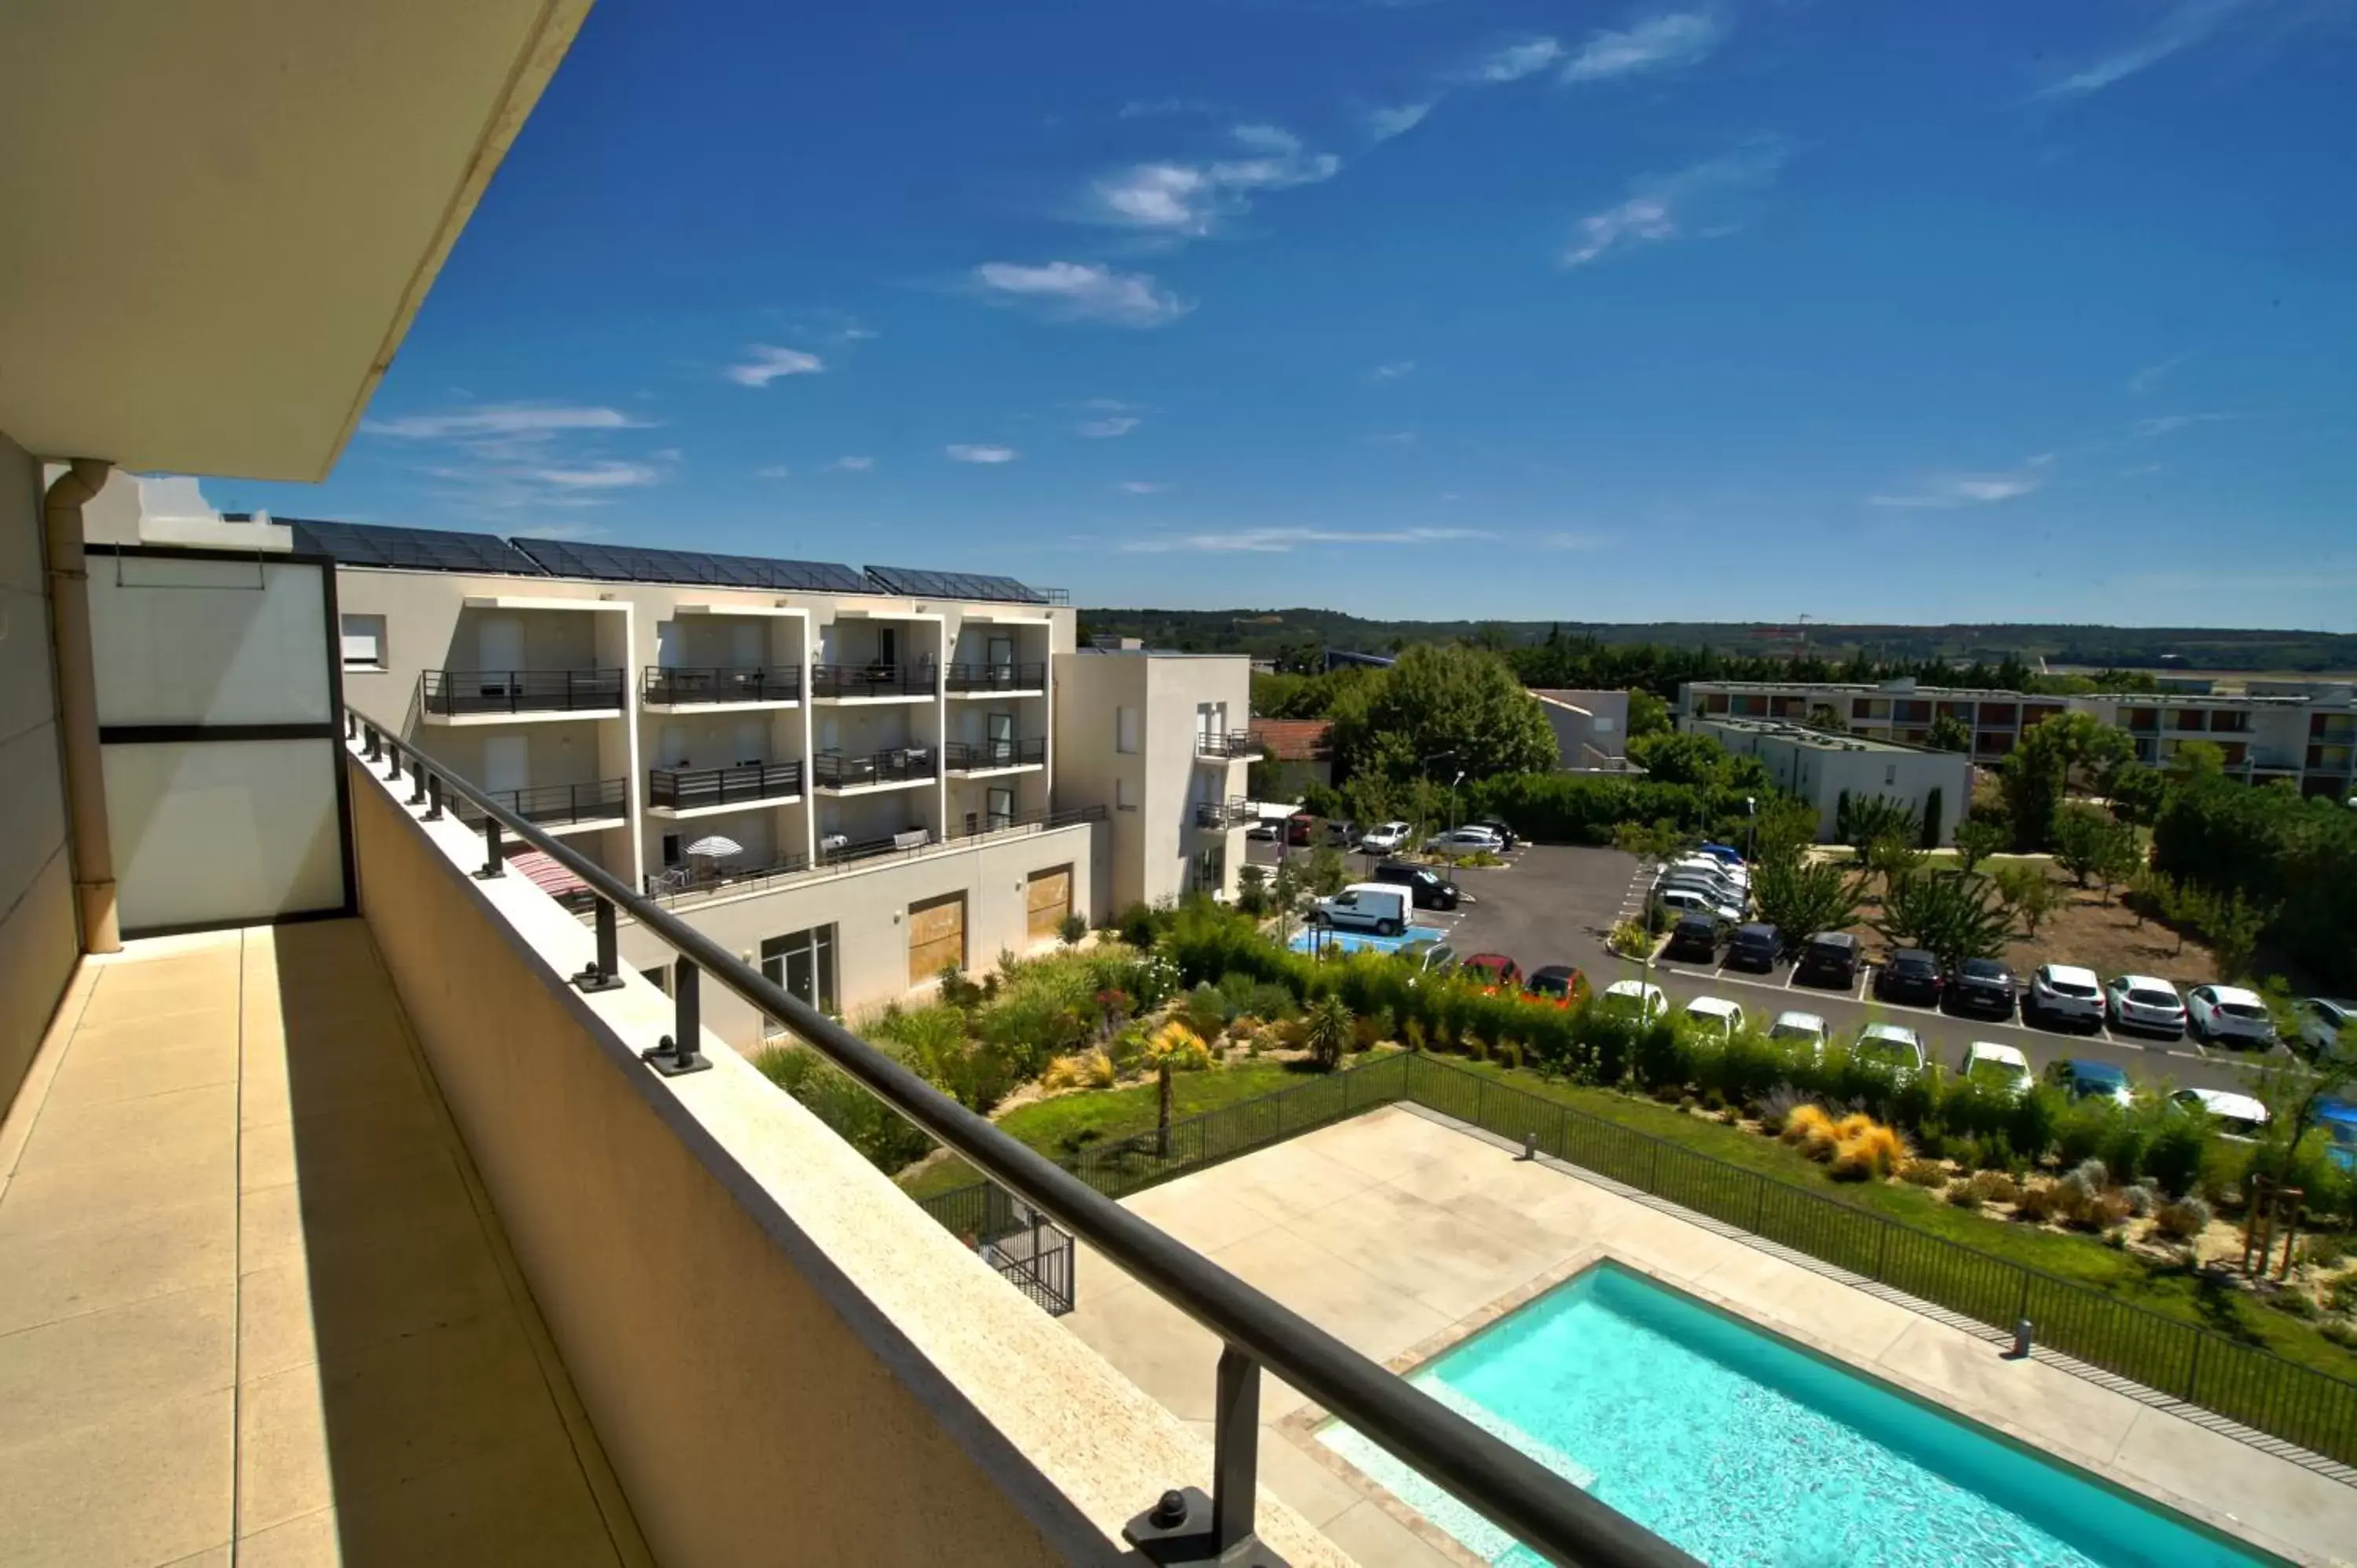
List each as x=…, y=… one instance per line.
x=1298, y=753
x=2302, y=731
x=1591, y=728
x=1824, y=769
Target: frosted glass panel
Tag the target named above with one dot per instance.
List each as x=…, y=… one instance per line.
x=209, y=642
x=208, y=832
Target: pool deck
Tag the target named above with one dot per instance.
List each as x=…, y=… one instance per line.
x=1401, y=1232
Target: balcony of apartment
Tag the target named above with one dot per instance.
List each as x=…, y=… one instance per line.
x=586, y=808
x=996, y=680
x=665, y=688
x=2329, y=758
x=876, y=682
x=2141, y=721
x=975, y=759
x=1220, y=816
x=894, y=767
x=1227, y=746
x=682, y=792
x=507, y=696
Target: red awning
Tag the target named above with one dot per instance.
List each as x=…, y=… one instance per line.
x=547, y=875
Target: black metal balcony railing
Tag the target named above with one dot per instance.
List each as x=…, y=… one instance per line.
x=555, y=805
x=1221, y=814
x=1541, y=1508
x=994, y=677
x=702, y=878
x=982, y=825
x=1233, y=743
x=685, y=789
x=831, y=770
x=452, y=693
x=873, y=680
x=674, y=687
x=976, y=756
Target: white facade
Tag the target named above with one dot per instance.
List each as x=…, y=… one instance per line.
x=1822, y=769
x=1591, y=727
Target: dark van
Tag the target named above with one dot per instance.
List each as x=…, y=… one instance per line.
x=1428, y=889
x=1753, y=948
x=1829, y=958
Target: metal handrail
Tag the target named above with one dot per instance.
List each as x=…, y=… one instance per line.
x=684, y=789
x=592, y=801
x=671, y=685
x=454, y=692
x=1233, y=743
x=831, y=770
x=1009, y=677
x=973, y=756
x=877, y=680
x=1513, y=1491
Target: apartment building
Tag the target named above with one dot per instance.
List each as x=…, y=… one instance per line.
x=1822, y=769
x=2308, y=735
x=853, y=777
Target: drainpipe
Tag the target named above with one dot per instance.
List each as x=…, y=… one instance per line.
x=93, y=848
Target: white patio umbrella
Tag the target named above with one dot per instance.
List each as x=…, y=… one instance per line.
x=715, y=848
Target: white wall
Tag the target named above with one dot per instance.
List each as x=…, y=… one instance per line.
x=1820, y=774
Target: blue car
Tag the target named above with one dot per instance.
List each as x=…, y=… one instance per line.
x=2083, y=1080
x=2338, y=1120
x=1725, y=853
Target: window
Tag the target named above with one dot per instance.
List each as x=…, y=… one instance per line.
x=802, y=964
x=363, y=642
x=1124, y=730
x=671, y=849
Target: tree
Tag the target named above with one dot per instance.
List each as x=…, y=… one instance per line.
x=1934, y=803
x=2029, y=893
x=2087, y=841
x=1949, y=733
x=1861, y=821
x=1673, y=758
x=1824, y=716
x=1651, y=840
x=1252, y=890
x=2197, y=759
x=1326, y=1030
x=1326, y=874
x=2293, y=1101
x=1461, y=708
x=1892, y=858
x=1950, y=915
x=1799, y=898
x=1648, y=714
x=1978, y=837
x=2233, y=924
x=1782, y=827
x=2137, y=793
x=2037, y=773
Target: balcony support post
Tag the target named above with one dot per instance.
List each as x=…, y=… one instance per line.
x=416, y=779
x=603, y=972
x=1187, y=1530
x=433, y=797
x=494, y=862
x=392, y=772
x=375, y=749
x=676, y=1053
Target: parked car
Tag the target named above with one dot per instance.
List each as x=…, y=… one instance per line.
x=1558, y=980
x=1980, y=985
x=1725, y=853
x=1365, y=906
x=1466, y=841
x=1389, y=838
x=1707, y=871
x=2230, y=1016
x=1911, y=975
x=1733, y=875
x=1694, y=936
x=1805, y=1026
x=1341, y=834
x=1298, y=826
x=1634, y=999
x=1719, y=894
x=1693, y=901
x=2140, y=1001
x=1752, y=947
x=2002, y=1067
x=2321, y=1020
x=1829, y=958
x=1426, y=887
x=1264, y=829
x=2337, y=1117
x=2064, y=994
x=1715, y=1014
x=1506, y=836
x=1894, y=1047
x=1429, y=956
x=2083, y=1080
x=1493, y=969
x=2237, y=1116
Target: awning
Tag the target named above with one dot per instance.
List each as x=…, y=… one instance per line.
x=547, y=875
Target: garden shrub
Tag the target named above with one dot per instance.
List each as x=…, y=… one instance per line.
x=1205, y=1010
x=2123, y=1149
x=2084, y=1129
x=1137, y=926
x=1179, y=1046
x=2182, y=1221
x=2341, y=1296
x=1998, y=1154
x=886, y=1139
x=2172, y=1160
x=2037, y=1204
x=1871, y=1151
x=2030, y=1122
x=2142, y=1199
x=1923, y=1173
x=932, y=1041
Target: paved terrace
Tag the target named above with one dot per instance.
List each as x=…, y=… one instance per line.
x=254, y=1305
x=1401, y=1234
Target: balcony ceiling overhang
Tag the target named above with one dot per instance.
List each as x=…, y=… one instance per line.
x=222, y=218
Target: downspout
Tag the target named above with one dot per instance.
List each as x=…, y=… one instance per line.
x=93, y=845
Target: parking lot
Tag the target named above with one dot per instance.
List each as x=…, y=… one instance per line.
x=1557, y=904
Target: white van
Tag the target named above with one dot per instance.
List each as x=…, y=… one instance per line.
x=1378, y=907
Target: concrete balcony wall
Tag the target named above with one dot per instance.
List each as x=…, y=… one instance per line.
x=786, y=1360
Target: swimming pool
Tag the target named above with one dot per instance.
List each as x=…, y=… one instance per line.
x=1311, y=939
x=1744, y=1449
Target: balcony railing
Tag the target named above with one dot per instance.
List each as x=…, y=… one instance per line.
x=685, y=789
x=454, y=692
x=994, y=677
x=687, y=884
x=679, y=688
x=874, y=680
x=1516, y=1492
x=983, y=824
x=1221, y=814
x=831, y=770
x=556, y=805
x=975, y=756
x=1229, y=745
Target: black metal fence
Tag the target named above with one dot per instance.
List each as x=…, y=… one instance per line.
x=1033, y=1253
x=977, y=755
x=872, y=680
x=673, y=686
x=686, y=788
x=831, y=770
x=555, y=805
x=1030, y=677
x=454, y=693
x=2245, y=1383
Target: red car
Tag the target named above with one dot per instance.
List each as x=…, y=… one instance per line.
x=1557, y=981
x=1493, y=969
x=1297, y=826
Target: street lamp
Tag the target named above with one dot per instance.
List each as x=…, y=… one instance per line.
x=1751, y=834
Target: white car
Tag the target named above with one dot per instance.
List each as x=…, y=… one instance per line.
x=1892, y=1046
x=1466, y=841
x=1265, y=830
x=1999, y=1067
x=1695, y=877
x=2238, y=1115
x=2322, y=1022
x=1801, y=1026
x=1377, y=906
x=1634, y=997
x=1715, y=1014
x=1710, y=865
x=1690, y=901
x=2140, y=1001
x=1389, y=838
x=2063, y=993
x=2229, y=1012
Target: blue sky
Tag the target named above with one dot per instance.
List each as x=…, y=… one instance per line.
x=1866, y=311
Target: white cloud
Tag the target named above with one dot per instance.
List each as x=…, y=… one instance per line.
x=2186, y=23
x=1572, y=538
x=1191, y=198
x=1280, y=540
x=1696, y=201
x=1163, y=108
x=1952, y=491
x=774, y=471
x=1079, y=291
x=853, y=465
x=1393, y=439
x=963, y=451
x=2168, y=424
x=1516, y=61
x=1394, y=371
x=510, y=419
x=2144, y=380
x=597, y=475
x=1118, y=425
x=1382, y=124
x=1144, y=487
x=768, y=363
x=1677, y=38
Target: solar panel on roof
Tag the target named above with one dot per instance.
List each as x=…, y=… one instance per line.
x=630, y=563
x=412, y=549
x=955, y=585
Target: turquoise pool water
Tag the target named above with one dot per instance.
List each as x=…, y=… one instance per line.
x=1744, y=1449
